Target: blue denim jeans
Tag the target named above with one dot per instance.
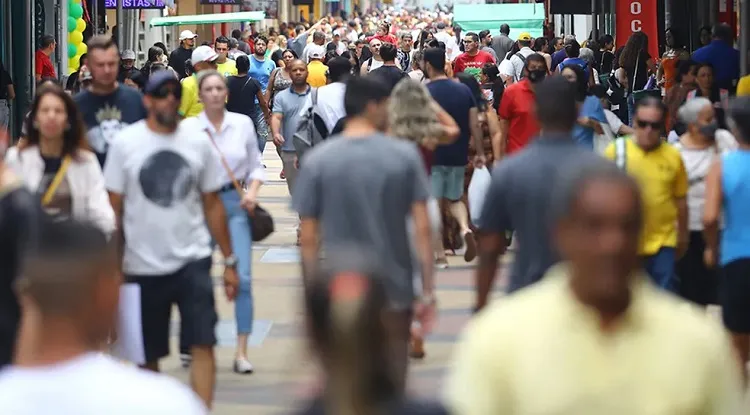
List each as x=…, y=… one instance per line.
x=242, y=243
x=261, y=127
x=661, y=267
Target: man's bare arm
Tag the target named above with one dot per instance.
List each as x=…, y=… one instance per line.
x=491, y=246
x=309, y=247
x=423, y=236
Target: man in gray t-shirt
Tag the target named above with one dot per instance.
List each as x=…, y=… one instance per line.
x=519, y=196
x=355, y=191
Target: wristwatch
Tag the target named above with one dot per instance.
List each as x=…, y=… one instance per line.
x=230, y=261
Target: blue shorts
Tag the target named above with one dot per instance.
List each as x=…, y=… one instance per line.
x=448, y=182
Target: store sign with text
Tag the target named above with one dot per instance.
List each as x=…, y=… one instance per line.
x=638, y=16
x=136, y=4
x=238, y=2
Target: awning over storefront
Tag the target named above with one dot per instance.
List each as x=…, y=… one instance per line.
x=520, y=17
x=238, y=17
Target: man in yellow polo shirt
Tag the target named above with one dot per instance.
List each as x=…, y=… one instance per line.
x=316, y=70
x=594, y=336
x=660, y=172
x=225, y=66
x=203, y=58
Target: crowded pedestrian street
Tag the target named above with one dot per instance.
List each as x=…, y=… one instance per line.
x=285, y=369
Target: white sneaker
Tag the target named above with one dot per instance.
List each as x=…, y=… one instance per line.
x=243, y=367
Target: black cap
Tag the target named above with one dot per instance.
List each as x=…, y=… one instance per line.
x=158, y=79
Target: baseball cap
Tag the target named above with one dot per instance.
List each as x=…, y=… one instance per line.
x=127, y=54
x=159, y=79
x=316, y=52
x=203, y=54
x=187, y=34
x=524, y=36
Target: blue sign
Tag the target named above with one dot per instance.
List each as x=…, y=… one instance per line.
x=135, y=4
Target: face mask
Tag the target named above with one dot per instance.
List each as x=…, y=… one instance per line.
x=537, y=75
x=709, y=130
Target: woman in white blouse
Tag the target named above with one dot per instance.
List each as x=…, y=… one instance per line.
x=54, y=163
x=236, y=145
x=703, y=143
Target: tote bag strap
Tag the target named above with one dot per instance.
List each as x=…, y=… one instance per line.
x=224, y=162
x=47, y=198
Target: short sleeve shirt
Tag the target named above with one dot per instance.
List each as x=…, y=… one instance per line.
x=289, y=103
x=662, y=178
x=457, y=100
x=190, y=104
x=591, y=108
x=44, y=66
x=472, y=64
x=517, y=107
x=106, y=115
x=228, y=68
x=161, y=178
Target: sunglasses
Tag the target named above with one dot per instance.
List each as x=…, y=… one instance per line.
x=166, y=90
x=645, y=124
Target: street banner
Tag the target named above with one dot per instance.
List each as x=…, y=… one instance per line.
x=638, y=16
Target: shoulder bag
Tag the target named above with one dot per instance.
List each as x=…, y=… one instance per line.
x=261, y=222
x=47, y=197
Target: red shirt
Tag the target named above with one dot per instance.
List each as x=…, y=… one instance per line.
x=44, y=65
x=517, y=106
x=472, y=64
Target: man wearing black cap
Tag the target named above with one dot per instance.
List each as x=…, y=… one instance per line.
x=163, y=183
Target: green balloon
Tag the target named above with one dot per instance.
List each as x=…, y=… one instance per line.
x=72, y=24
x=75, y=11
x=72, y=51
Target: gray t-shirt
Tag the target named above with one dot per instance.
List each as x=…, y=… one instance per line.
x=289, y=104
x=161, y=179
x=361, y=190
x=519, y=200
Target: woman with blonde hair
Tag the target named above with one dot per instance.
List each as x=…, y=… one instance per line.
x=414, y=116
x=54, y=161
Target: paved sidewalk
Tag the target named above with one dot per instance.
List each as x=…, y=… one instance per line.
x=284, y=368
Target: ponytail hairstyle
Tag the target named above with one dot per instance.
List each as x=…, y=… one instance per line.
x=344, y=306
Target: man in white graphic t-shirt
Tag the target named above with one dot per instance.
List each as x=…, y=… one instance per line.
x=163, y=182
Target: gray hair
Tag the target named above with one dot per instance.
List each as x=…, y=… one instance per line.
x=689, y=111
x=410, y=113
x=575, y=179
x=587, y=55
x=568, y=39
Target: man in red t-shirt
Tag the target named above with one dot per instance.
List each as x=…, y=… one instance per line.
x=473, y=59
x=518, y=123
x=44, y=67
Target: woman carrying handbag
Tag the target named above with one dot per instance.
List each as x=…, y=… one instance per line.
x=234, y=139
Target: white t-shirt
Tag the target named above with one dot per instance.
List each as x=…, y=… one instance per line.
x=161, y=179
x=697, y=164
x=517, y=63
x=330, y=101
x=451, y=46
x=93, y=384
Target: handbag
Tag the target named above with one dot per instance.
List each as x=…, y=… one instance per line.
x=261, y=222
x=645, y=92
x=50, y=192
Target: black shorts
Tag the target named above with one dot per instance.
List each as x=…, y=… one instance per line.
x=191, y=288
x=697, y=282
x=734, y=295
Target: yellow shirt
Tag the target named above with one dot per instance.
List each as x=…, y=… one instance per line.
x=228, y=68
x=541, y=351
x=190, y=104
x=316, y=74
x=743, y=87
x=662, y=178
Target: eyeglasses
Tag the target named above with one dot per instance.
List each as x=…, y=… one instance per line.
x=166, y=90
x=657, y=125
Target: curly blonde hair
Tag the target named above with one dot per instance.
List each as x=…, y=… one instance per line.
x=411, y=114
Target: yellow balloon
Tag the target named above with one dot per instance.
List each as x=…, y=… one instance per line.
x=77, y=1
x=80, y=25
x=82, y=48
x=75, y=38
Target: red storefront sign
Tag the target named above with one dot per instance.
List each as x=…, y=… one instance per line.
x=638, y=16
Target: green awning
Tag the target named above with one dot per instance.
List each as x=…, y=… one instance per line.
x=237, y=17
x=520, y=17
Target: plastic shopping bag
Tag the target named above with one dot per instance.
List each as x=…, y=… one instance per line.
x=478, y=187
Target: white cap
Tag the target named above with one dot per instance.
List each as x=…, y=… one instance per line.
x=316, y=52
x=186, y=34
x=203, y=54
x=127, y=54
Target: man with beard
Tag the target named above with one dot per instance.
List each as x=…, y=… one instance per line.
x=473, y=59
x=260, y=69
x=163, y=182
x=107, y=106
x=178, y=56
